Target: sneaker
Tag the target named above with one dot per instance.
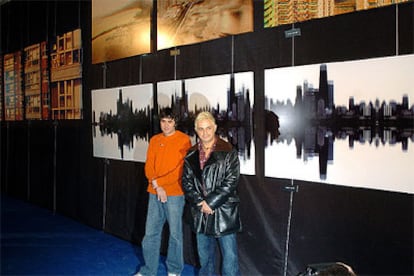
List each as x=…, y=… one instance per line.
x=138, y=274
x=173, y=274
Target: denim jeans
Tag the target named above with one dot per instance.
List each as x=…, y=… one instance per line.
x=206, y=246
x=158, y=213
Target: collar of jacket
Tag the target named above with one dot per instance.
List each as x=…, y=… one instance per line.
x=221, y=145
x=193, y=156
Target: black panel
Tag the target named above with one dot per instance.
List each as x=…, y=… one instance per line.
x=16, y=157
x=362, y=227
x=41, y=170
x=3, y=156
x=264, y=49
x=319, y=223
x=264, y=211
x=215, y=57
x=12, y=26
x=205, y=59
x=95, y=78
x=189, y=61
x=123, y=72
x=67, y=169
x=66, y=16
x=405, y=28
x=79, y=178
x=159, y=66
x=126, y=200
x=364, y=34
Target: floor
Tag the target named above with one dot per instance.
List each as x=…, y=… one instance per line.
x=34, y=241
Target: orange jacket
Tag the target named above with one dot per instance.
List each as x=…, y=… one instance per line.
x=165, y=160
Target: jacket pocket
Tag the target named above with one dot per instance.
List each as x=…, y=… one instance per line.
x=227, y=219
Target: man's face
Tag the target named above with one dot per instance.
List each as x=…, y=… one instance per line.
x=206, y=130
x=167, y=126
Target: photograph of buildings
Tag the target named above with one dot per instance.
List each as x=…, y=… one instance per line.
x=122, y=117
x=13, y=90
x=66, y=76
x=228, y=97
x=121, y=122
x=287, y=12
x=344, y=123
x=32, y=81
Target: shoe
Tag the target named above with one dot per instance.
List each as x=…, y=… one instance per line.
x=173, y=274
x=138, y=274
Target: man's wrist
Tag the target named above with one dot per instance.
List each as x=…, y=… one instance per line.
x=154, y=184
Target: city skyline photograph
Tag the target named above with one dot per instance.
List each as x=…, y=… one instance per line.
x=122, y=117
x=212, y=93
x=121, y=122
x=346, y=123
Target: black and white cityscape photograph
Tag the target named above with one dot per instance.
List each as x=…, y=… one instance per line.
x=228, y=97
x=345, y=123
x=123, y=117
x=121, y=122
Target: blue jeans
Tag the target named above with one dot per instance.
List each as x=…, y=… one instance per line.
x=206, y=246
x=158, y=213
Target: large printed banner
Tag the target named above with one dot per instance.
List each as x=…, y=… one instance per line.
x=121, y=122
x=13, y=90
x=122, y=117
x=346, y=123
x=228, y=97
x=44, y=82
x=278, y=12
x=120, y=29
x=189, y=21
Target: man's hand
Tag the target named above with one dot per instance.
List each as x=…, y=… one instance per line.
x=205, y=208
x=161, y=194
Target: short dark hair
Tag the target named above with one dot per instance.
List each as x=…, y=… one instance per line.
x=167, y=112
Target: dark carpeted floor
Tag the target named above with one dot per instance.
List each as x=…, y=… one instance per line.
x=34, y=241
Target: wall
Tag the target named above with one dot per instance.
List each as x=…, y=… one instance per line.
x=50, y=163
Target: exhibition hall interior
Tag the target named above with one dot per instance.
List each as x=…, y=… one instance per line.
x=315, y=96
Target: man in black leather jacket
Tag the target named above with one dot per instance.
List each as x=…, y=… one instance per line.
x=210, y=180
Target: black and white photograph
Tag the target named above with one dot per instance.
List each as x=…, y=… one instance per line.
x=344, y=123
x=229, y=98
x=121, y=122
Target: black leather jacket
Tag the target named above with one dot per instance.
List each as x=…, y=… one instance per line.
x=220, y=177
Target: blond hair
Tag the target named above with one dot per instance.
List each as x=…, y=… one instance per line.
x=205, y=115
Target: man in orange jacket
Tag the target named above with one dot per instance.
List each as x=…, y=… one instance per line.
x=164, y=169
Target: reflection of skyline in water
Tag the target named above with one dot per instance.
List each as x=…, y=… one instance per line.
x=313, y=122
x=126, y=124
